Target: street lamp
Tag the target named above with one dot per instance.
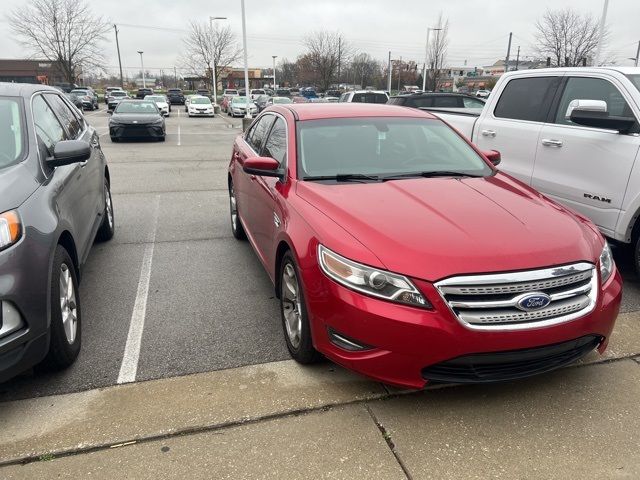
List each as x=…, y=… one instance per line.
x=246, y=61
x=144, y=81
x=274, y=70
x=213, y=60
x=426, y=57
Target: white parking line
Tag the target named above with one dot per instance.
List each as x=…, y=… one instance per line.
x=129, y=366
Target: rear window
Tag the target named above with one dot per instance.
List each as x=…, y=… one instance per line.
x=447, y=102
x=136, y=107
x=12, y=134
x=369, y=98
x=174, y=90
x=396, y=101
x=527, y=98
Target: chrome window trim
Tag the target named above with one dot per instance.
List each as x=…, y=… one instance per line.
x=286, y=132
x=524, y=277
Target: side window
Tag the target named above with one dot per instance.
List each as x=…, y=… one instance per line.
x=447, y=102
x=48, y=128
x=526, y=98
x=65, y=114
x=582, y=88
x=472, y=103
x=258, y=133
x=423, y=102
x=276, y=146
x=344, y=97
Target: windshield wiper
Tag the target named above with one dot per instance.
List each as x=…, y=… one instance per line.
x=345, y=177
x=431, y=174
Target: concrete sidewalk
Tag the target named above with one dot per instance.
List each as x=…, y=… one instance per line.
x=281, y=420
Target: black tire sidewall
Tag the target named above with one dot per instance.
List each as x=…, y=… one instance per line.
x=237, y=230
x=106, y=231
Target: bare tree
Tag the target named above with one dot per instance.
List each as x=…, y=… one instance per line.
x=567, y=37
x=288, y=72
x=206, y=48
x=438, y=44
x=327, y=53
x=62, y=31
x=364, y=70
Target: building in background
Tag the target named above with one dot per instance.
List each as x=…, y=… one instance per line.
x=32, y=71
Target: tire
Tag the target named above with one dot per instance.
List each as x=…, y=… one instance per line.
x=108, y=225
x=293, y=311
x=162, y=138
x=236, y=225
x=63, y=351
x=114, y=139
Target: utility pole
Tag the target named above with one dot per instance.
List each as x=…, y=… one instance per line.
x=144, y=81
x=518, y=58
x=637, y=53
x=506, y=62
x=389, y=75
x=115, y=28
x=274, y=70
x=246, y=61
x=399, y=73
x=175, y=75
x=339, y=57
x=603, y=21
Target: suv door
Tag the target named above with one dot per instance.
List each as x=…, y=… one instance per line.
x=583, y=167
x=64, y=183
x=513, y=127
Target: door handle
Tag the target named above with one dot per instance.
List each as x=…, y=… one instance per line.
x=488, y=133
x=252, y=177
x=549, y=142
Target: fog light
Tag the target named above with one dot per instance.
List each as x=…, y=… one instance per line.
x=346, y=343
x=10, y=319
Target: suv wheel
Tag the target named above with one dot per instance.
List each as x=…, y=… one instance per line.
x=66, y=325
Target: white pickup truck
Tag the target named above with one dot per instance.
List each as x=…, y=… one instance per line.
x=571, y=133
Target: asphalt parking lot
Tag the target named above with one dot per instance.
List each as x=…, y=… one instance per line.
x=203, y=299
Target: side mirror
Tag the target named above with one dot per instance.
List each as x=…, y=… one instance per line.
x=67, y=152
x=593, y=113
x=263, y=166
x=493, y=156
x=110, y=112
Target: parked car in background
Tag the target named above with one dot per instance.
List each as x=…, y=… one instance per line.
x=230, y=92
x=279, y=101
x=143, y=92
x=75, y=99
x=200, y=106
x=137, y=119
x=88, y=98
x=373, y=223
x=115, y=97
x=238, y=107
x=175, y=96
x=262, y=101
x=365, y=96
x=332, y=93
x=256, y=92
x=161, y=102
x=283, y=92
x=308, y=92
x=203, y=92
x=574, y=135
x=66, y=87
x=269, y=92
x=107, y=91
x=299, y=99
x=449, y=101
x=55, y=201
x=483, y=93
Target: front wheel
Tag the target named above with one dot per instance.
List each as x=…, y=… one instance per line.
x=66, y=325
x=295, y=319
x=236, y=225
x=107, y=227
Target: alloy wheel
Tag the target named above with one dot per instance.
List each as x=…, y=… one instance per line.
x=233, y=206
x=291, y=306
x=68, y=304
x=107, y=201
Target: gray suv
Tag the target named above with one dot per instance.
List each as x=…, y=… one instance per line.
x=54, y=201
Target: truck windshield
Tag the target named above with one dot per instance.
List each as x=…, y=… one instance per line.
x=635, y=79
x=12, y=136
x=382, y=147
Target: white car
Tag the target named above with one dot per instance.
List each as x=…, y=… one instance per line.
x=483, y=93
x=230, y=92
x=200, y=106
x=365, y=96
x=161, y=102
x=256, y=92
x=238, y=107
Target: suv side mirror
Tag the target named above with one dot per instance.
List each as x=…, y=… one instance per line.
x=263, y=166
x=593, y=113
x=493, y=156
x=67, y=152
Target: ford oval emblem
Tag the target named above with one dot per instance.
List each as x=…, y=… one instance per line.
x=533, y=301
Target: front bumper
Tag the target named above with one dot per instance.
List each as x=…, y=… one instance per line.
x=201, y=113
x=405, y=341
x=136, y=131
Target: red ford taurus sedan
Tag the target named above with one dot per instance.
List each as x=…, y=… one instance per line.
x=398, y=250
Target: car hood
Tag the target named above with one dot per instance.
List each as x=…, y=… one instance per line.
x=437, y=227
x=16, y=185
x=129, y=118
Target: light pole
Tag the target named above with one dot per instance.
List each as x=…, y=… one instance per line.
x=426, y=57
x=213, y=61
x=246, y=61
x=635, y=59
x=274, y=70
x=144, y=81
x=603, y=23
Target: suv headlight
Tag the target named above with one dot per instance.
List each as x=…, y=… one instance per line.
x=10, y=229
x=606, y=263
x=368, y=280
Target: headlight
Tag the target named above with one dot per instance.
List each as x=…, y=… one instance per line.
x=374, y=282
x=158, y=121
x=606, y=263
x=10, y=229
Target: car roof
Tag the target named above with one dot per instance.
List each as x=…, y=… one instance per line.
x=315, y=111
x=23, y=89
x=562, y=70
x=368, y=91
x=435, y=94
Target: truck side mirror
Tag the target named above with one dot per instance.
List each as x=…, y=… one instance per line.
x=593, y=113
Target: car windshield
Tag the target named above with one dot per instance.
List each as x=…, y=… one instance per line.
x=118, y=93
x=155, y=98
x=282, y=100
x=239, y=100
x=257, y=92
x=174, y=90
x=12, y=137
x=136, y=107
x=201, y=101
x=635, y=79
x=80, y=92
x=384, y=146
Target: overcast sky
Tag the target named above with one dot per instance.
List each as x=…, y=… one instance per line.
x=478, y=31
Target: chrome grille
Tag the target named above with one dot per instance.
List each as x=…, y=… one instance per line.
x=492, y=302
